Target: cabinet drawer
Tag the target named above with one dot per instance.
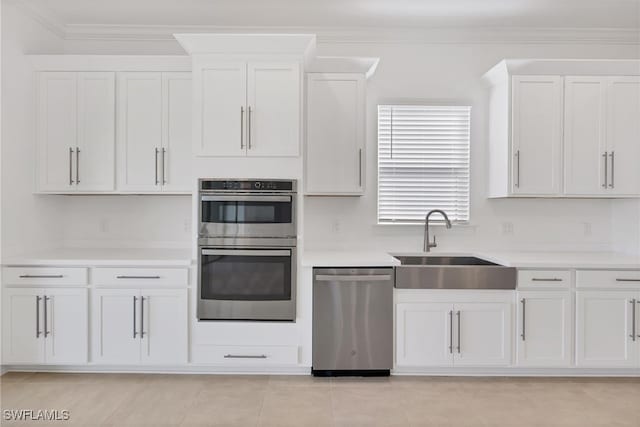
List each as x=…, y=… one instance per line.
x=43, y=276
x=140, y=276
x=544, y=279
x=608, y=278
x=235, y=355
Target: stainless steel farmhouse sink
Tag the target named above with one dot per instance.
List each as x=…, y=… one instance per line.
x=452, y=272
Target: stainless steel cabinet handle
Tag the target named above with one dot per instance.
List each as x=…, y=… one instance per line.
x=606, y=169
x=137, y=277
x=135, y=301
x=164, y=174
x=70, y=166
x=249, y=127
x=633, y=319
x=612, y=156
x=360, y=167
x=241, y=127
x=245, y=356
x=638, y=302
x=542, y=279
x=77, y=166
x=156, y=165
x=142, y=317
x=524, y=324
x=46, y=332
x=41, y=276
x=353, y=278
x=451, y=331
x=459, y=331
x=38, y=298
x=518, y=169
x=627, y=280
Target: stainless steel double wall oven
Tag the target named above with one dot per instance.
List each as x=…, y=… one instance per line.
x=247, y=250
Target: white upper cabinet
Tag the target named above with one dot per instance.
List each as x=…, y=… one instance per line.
x=154, y=141
x=536, y=135
x=222, y=87
x=564, y=128
x=274, y=113
x=247, y=108
x=76, y=131
x=335, y=133
x=584, y=135
x=623, y=135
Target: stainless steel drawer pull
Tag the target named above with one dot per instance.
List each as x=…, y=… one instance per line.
x=633, y=319
x=137, y=277
x=524, y=324
x=627, y=280
x=459, y=331
x=542, y=279
x=353, y=278
x=41, y=276
x=38, y=316
x=245, y=356
x=451, y=331
x=46, y=332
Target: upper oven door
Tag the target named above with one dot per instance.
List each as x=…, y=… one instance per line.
x=247, y=215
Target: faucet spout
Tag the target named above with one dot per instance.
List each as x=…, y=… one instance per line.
x=427, y=244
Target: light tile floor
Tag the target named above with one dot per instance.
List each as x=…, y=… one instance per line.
x=215, y=400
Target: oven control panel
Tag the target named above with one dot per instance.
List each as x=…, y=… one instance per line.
x=247, y=185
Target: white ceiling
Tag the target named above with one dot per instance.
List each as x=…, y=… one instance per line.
x=620, y=14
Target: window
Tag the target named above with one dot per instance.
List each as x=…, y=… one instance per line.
x=423, y=162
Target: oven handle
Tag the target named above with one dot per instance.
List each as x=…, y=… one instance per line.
x=248, y=252
x=244, y=198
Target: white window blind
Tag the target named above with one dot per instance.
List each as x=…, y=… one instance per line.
x=423, y=162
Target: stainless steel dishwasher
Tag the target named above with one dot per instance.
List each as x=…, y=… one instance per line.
x=352, y=321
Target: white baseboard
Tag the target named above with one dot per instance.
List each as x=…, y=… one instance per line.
x=185, y=369
x=3, y=370
x=519, y=372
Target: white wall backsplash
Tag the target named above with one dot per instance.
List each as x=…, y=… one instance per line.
x=28, y=221
x=625, y=223
x=131, y=221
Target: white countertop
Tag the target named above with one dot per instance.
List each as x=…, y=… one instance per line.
x=564, y=260
x=353, y=258
x=64, y=257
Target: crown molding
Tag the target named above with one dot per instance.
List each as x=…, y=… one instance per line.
x=371, y=35
x=445, y=35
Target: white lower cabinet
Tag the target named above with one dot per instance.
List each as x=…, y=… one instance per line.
x=545, y=328
x=132, y=326
x=465, y=333
x=606, y=334
x=45, y=326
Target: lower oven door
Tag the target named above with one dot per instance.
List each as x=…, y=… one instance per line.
x=247, y=284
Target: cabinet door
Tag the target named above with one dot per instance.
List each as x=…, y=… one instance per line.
x=536, y=134
x=222, y=98
x=23, y=325
x=57, y=131
x=335, y=134
x=623, y=135
x=176, y=144
x=164, y=327
x=67, y=326
x=482, y=334
x=115, y=326
x=604, y=325
x=423, y=334
x=545, y=328
x=584, y=135
x=140, y=131
x=273, y=100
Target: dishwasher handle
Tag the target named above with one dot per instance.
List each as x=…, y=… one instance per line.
x=353, y=277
